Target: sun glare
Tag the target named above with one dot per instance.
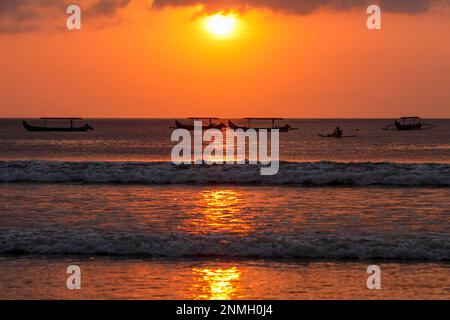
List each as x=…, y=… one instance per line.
x=221, y=25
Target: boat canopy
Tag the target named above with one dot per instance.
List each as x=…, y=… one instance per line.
x=412, y=118
x=202, y=118
x=268, y=119
x=47, y=118
x=264, y=118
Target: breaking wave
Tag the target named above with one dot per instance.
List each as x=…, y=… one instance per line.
x=290, y=173
x=315, y=245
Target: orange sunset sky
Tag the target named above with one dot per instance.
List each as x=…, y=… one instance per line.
x=284, y=58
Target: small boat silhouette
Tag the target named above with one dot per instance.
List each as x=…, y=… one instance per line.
x=409, y=123
x=191, y=127
x=335, y=136
x=84, y=128
x=285, y=128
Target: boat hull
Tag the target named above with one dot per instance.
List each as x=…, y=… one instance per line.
x=29, y=127
x=406, y=127
x=279, y=128
x=179, y=125
x=334, y=136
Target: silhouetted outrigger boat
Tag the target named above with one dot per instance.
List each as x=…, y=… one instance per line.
x=335, y=136
x=84, y=128
x=285, y=128
x=409, y=123
x=211, y=125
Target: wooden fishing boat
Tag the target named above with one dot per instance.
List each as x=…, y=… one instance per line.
x=334, y=136
x=46, y=128
x=179, y=125
x=236, y=127
x=285, y=128
x=409, y=123
x=210, y=125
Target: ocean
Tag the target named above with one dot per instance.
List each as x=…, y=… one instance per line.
x=139, y=227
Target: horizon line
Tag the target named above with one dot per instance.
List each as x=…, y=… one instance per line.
x=222, y=118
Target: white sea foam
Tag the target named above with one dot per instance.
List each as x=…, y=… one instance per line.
x=316, y=245
x=290, y=173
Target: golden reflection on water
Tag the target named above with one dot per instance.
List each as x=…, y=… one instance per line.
x=220, y=208
x=219, y=211
x=217, y=284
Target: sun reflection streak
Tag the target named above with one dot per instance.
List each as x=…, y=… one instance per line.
x=221, y=210
x=218, y=211
x=217, y=284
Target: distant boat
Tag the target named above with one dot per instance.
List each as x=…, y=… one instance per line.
x=285, y=128
x=84, y=128
x=191, y=127
x=236, y=127
x=409, y=123
x=334, y=136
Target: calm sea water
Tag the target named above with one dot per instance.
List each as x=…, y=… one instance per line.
x=111, y=202
x=144, y=140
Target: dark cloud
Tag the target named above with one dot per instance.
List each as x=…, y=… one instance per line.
x=23, y=10
x=303, y=7
x=408, y=6
x=107, y=7
x=28, y=15
x=18, y=16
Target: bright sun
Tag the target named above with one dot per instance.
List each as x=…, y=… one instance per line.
x=220, y=24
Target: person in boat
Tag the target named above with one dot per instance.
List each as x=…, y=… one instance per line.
x=338, y=132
